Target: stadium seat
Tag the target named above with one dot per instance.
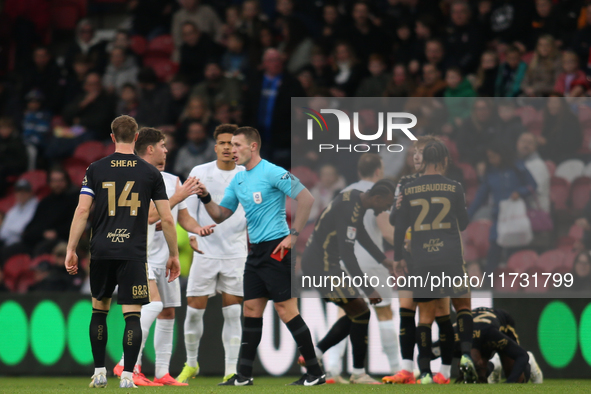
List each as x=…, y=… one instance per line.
x=580, y=192
x=576, y=232
x=7, y=202
x=569, y=260
x=139, y=44
x=559, y=191
x=551, y=259
x=471, y=253
x=65, y=14
x=164, y=68
x=161, y=46
x=13, y=269
x=109, y=150
x=452, y=148
x=76, y=173
x=477, y=235
x=535, y=286
x=521, y=261
x=566, y=243
x=89, y=151
x=37, y=179
x=307, y=176
x=469, y=173
x=570, y=169
x=551, y=167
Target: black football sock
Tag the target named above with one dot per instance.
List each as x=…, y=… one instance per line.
x=98, y=336
x=408, y=334
x=465, y=330
x=424, y=344
x=446, y=339
x=301, y=334
x=132, y=340
x=251, y=337
x=339, y=331
x=358, y=336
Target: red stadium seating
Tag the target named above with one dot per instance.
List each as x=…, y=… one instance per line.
x=452, y=148
x=109, y=150
x=551, y=260
x=89, y=152
x=576, y=232
x=469, y=173
x=65, y=14
x=76, y=173
x=308, y=177
x=161, y=46
x=139, y=44
x=580, y=191
x=471, y=253
x=14, y=267
x=164, y=68
x=559, y=193
x=569, y=259
x=7, y=202
x=477, y=235
x=523, y=260
x=566, y=243
x=37, y=179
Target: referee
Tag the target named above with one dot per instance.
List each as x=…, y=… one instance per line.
x=121, y=186
x=261, y=191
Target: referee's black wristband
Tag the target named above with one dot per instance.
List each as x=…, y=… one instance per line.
x=205, y=199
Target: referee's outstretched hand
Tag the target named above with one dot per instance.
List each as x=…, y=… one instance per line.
x=173, y=268
x=71, y=262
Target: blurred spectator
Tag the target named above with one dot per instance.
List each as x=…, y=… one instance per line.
x=51, y=274
x=363, y=36
x=87, y=43
x=561, y=133
x=399, y=84
x=151, y=18
x=527, y=151
x=477, y=133
x=486, y=76
x=216, y=87
x=482, y=18
x=403, y=44
x=543, y=68
x=571, y=75
x=348, y=72
x=171, y=147
x=121, y=70
x=259, y=45
x=231, y=23
x=332, y=28
x=547, y=19
x=373, y=86
x=511, y=74
x=252, y=21
x=464, y=41
x=296, y=45
x=582, y=272
x=202, y=16
x=128, y=100
x=458, y=95
x=37, y=121
x=198, y=111
x=508, y=123
x=45, y=76
x=197, y=47
x=504, y=178
x=329, y=184
x=153, y=99
x=75, y=80
x=581, y=43
x=93, y=109
x=425, y=27
x=19, y=216
x=13, y=153
x=307, y=82
x=510, y=22
x=197, y=150
x=51, y=222
x=179, y=95
x=432, y=85
x=122, y=40
x=267, y=104
x=235, y=60
x=223, y=113
x=320, y=71
x=435, y=54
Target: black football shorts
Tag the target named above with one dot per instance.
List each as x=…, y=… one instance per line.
x=131, y=276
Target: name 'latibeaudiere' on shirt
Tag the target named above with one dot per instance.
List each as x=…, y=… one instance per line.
x=432, y=187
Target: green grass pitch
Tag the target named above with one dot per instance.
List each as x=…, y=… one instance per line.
x=208, y=385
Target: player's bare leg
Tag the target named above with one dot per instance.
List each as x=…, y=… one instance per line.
x=98, y=340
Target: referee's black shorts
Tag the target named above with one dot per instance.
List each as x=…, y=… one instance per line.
x=265, y=277
x=130, y=275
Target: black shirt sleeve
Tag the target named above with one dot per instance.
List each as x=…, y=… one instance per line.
x=510, y=348
x=400, y=225
x=158, y=187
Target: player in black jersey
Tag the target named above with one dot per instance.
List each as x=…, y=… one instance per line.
x=120, y=186
x=333, y=240
x=435, y=208
x=407, y=333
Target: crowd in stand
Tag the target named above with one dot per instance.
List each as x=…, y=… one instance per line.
x=186, y=66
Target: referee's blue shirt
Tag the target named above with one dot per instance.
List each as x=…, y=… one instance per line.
x=262, y=191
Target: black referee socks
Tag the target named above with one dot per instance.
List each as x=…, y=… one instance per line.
x=446, y=339
x=465, y=328
x=424, y=344
x=132, y=340
x=358, y=336
x=98, y=336
x=301, y=334
x=251, y=337
x=407, y=334
x=339, y=331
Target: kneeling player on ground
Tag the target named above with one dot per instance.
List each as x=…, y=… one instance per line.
x=434, y=207
x=333, y=240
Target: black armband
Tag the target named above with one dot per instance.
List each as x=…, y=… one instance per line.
x=205, y=199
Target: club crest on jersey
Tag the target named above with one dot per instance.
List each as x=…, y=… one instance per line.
x=257, y=197
x=351, y=232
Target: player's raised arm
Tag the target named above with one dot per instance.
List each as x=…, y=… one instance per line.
x=173, y=267
x=183, y=191
x=76, y=230
x=188, y=223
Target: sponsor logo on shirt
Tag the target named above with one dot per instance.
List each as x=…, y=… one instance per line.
x=351, y=232
x=257, y=197
x=433, y=245
x=120, y=235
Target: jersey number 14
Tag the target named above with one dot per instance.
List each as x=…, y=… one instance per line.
x=133, y=203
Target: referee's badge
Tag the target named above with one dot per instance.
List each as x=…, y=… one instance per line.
x=257, y=197
x=351, y=232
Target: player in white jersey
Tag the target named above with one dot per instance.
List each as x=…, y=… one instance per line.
x=221, y=266
x=370, y=170
x=165, y=296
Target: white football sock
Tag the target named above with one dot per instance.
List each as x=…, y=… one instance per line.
x=334, y=364
x=193, y=334
x=357, y=371
x=149, y=314
x=100, y=370
x=407, y=365
x=163, y=345
x=231, y=336
x=445, y=370
x=128, y=375
x=389, y=338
